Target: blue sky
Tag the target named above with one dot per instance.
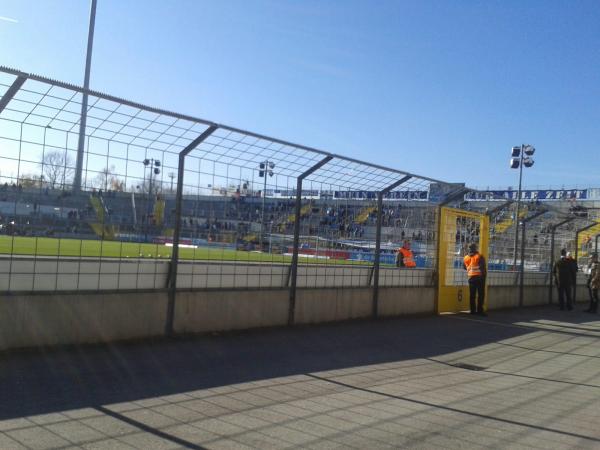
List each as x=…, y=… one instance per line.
x=438, y=88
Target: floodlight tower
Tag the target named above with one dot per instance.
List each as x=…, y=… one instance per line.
x=520, y=156
x=84, y=101
x=154, y=166
x=265, y=168
x=171, y=176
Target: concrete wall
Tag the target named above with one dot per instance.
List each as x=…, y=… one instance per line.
x=500, y=297
x=329, y=305
x=203, y=311
x=406, y=300
x=57, y=319
x=32, y=320
x=325, y=294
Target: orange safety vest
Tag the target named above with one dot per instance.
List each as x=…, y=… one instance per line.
x=473, y=265
x=407, y=257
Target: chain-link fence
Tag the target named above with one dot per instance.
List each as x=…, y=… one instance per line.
x=234, y=209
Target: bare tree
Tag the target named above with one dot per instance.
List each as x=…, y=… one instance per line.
x=107, y=179
x=28, y=181
x=57, y=167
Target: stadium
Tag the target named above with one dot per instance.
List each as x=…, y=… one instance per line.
x=210, y=280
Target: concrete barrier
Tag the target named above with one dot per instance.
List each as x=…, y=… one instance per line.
x=33, y=320
x=329, y=305
x=204, y=311
x=95, y=307
x=501, y=297
x=406, y=300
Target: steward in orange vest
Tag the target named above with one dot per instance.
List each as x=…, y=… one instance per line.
x=404, y=256
x=476, y=269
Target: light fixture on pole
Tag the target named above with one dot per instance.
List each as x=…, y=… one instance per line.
x=154, y=166
x=171, y=176
x=520, y=156
x=265, y=168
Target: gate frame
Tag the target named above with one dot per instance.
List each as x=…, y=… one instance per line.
x=443, y=289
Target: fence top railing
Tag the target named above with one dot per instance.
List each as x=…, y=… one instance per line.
x=54, y=105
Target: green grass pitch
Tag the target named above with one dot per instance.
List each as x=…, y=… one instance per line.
x=44, y=246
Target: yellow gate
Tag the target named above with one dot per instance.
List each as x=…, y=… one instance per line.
x=458, y=229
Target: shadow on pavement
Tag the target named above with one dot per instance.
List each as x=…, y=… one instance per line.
x=40, y=382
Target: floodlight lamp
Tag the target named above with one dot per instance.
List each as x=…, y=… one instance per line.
x=270, y=173
x=261, y=173
x=271, y=165
x=262, y=165
x=528, y=162
x=514, y=163
x=157, y=163
x=146, y=162
x=529, y=150
x=156, y=171
x=516, y=152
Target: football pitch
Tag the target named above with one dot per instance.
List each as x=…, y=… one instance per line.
x=84, y=248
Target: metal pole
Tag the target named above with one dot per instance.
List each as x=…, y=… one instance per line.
x=294, y=267
x=518, y=209
x=596, y=246
x=551, y=266
x=522, y=265
x=577, y=233
x=172, y=280
x=11, y=91
x=377, y=259
x=262, y=217
x=84, y=101
x=149, y=202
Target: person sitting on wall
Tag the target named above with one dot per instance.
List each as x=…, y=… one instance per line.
x=405, y=257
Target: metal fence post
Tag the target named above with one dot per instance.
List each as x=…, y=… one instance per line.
x=11, y=91
x=577, y=233
x=294, y=267
x=551, y=265
x=522, y=265
x=377, y=259
x=172, y=279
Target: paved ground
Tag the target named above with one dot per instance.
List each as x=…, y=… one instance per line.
x=517, y=379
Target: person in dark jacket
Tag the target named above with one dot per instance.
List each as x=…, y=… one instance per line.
x=564, y=279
